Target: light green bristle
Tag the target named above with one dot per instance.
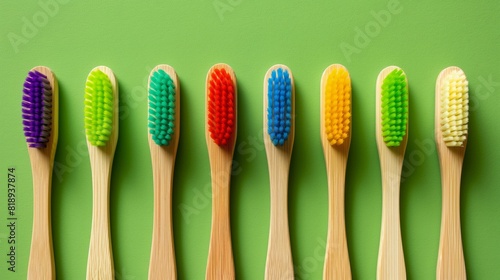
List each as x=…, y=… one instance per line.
x=161, y=107
x=98, y=108
x=394, y=108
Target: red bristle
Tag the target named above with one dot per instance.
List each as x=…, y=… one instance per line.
x=220, y=106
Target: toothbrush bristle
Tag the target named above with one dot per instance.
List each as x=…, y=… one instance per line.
x=161, y=107
x=37, y=109
x=98, y=108
x=221, y=106
x=337, y=106
x=394, y=108
x=455, y=108
x=279, y=109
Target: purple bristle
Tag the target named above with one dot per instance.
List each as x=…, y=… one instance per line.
x=37, y=109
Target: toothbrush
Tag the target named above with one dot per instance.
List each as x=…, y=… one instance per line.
x=279, y=132
x=101, y=128
x=220, y=132
x=335, y=111
x=40, y=112
x=164, y=128
x=392, y=136
x=452, y=118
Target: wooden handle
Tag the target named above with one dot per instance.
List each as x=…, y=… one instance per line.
x=100, y=261
x=391, y=264
x=337, y=265
x=279, y=264
x=220, y=264
x=451, y=263
x=162, y=264
x=41, y=261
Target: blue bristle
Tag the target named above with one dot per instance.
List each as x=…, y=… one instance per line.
x=279, y=111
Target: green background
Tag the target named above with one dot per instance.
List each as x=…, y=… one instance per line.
x=422, y=37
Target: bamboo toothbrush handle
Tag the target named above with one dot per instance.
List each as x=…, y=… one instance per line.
x=279, y=265
x=451, y=263
x=337, y=265
x=162, y=264
x=391, y=264
x=100, y=261
x=220, y=264
x=41, y=261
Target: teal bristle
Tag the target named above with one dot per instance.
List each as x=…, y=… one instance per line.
x=161, y=107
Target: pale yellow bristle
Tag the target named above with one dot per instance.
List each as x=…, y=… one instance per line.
x=454, y=108
x=337, y=106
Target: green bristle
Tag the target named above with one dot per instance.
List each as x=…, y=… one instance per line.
x=98, y=108
x=394, y=108
x=161, y=107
